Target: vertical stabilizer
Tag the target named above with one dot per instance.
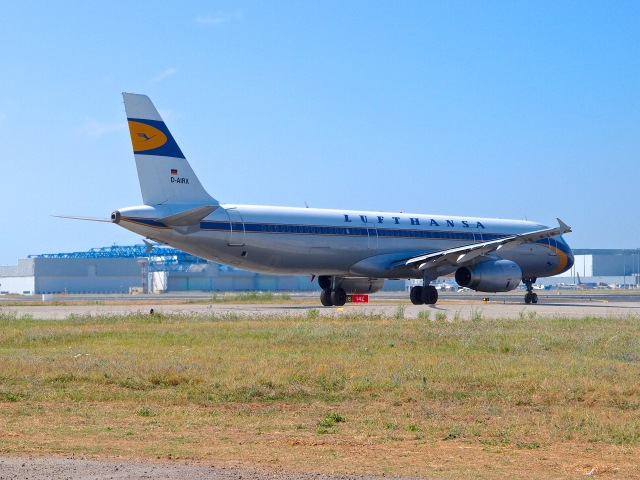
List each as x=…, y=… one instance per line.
x=164, y=173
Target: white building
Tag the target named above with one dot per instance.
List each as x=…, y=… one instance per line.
x=121, y=270
x=70, y=275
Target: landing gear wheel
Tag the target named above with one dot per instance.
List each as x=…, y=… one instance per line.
x=429, y=295
x=338, y=297
x=416, y=295
x=530, y=297
x=325, y=297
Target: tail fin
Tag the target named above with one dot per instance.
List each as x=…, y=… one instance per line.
x=164, y=173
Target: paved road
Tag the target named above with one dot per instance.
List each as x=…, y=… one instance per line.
x=41, y=468
x=450, y=306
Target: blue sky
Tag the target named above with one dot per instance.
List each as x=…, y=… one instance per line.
x=499, y=109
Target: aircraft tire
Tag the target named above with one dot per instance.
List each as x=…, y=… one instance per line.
x=534, y=298
x=339, y=297
x=527, y=298
x=429, y=295
x=416, y=295
x=325, y=297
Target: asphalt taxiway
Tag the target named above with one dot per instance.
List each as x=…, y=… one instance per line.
x=450, y=307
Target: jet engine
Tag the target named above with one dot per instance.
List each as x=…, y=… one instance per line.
x=491, y=276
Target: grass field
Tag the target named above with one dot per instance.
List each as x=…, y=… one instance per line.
x=450, y=398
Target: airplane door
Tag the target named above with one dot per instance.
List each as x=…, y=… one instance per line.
x=372, y=232
x=236, y=227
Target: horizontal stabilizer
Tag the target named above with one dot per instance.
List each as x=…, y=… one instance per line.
x=188, y=217
x=89, y=219
x=148, y=246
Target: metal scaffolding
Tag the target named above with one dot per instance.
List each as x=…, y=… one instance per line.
x=151, y=260
x=160, y=258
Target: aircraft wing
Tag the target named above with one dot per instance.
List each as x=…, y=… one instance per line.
x=461, y=255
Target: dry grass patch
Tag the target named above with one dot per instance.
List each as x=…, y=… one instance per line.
x=330, y=394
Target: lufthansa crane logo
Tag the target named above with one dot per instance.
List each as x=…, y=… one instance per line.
x=145, y=137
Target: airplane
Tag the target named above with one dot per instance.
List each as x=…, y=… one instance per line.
x=577, y=286
x=349, y=251
x=448, y=286
x=585, y=286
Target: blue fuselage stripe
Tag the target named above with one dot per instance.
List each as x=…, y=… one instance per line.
x=277, y=228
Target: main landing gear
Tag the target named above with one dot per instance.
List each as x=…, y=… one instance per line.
x=329, y=297
x=330, y=294
x=423, y=295
x=530, y=297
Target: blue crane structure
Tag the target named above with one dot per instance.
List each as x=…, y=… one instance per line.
x=160, y=257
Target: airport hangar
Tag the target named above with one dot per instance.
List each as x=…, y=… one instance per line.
x=133, y=269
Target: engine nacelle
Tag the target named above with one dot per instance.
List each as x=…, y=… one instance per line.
x=493, y=276
x=361, y=285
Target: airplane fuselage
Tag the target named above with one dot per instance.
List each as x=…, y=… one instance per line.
x=285, y=240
